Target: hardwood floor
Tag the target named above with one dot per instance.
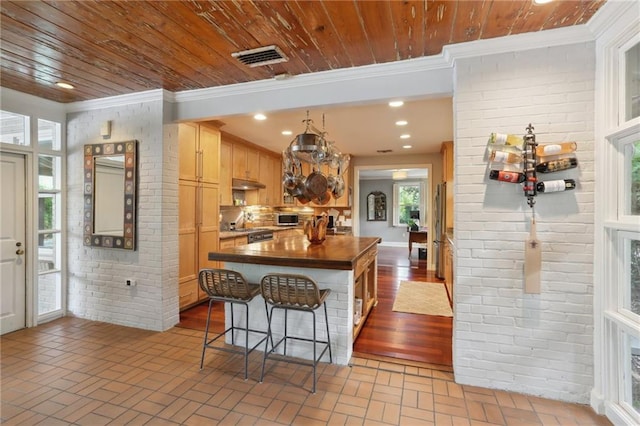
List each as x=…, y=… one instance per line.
x=411, y=337
x=420, y=338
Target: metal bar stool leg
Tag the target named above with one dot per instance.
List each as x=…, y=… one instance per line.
x=233, y=324
x=266, y=341
x=285, y=331
x=326, y=321
x=246, y=342
x=315, y=361
x=206, y=334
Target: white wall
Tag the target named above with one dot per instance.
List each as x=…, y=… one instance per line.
x=538, y=344
x=97, y=276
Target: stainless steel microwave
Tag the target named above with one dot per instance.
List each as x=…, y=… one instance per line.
x=287, y=219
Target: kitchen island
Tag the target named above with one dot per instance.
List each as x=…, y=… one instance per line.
x=346, y=265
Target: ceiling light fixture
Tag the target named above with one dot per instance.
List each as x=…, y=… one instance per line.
x=64, y=85
x=287, y=132
x=407, y=146
x=260, y=117
x=396, y=104
x=401, y=123
x=399, y=174
x=405, y=136
x=540, y=2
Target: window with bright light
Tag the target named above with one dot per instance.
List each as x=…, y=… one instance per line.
x=14, y=128
x=408, y=199
x=49, y=219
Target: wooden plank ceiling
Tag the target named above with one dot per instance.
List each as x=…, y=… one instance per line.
x=107, y=48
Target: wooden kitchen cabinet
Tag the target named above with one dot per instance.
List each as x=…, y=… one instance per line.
x=198, y=206
x=246, y=162
x=269, y=167
x=226, y=174
x=365, y=288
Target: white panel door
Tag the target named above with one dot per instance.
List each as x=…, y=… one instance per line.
x=12, y=243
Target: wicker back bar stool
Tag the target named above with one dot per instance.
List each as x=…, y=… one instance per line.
x=224, y=285
x=299, y=293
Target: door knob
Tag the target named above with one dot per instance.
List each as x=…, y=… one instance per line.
x=19, y=252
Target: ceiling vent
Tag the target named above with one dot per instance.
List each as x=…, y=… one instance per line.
x=261, y=56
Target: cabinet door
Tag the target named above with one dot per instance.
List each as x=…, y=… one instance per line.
x=208, y=231
x=266, y=195
x=226, y=194
x=239, y=161
x=187, y=148
x=276, y=177
x=187, y=231
x=253, y=164
x=209, y=144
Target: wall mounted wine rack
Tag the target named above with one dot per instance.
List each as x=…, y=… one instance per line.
x=520, y=156
x=529, y=166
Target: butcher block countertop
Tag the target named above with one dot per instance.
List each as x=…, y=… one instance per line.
x=336, y=252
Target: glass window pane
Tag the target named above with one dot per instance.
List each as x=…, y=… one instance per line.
x=409, y=202
x=49, y=212
x=14, y=128
x=49, y=292
x=632, y=82
x=49, y=172
x=632, y=162
x=49, y=135
x=48, y=252
x=633, y=262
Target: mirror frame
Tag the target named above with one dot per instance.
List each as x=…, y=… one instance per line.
x=129, y=149
x=377, y=206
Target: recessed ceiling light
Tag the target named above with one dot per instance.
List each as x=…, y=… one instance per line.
x=407, y=146
x=542, y=1
x=405, y=136
x=260, y=117
x=401, y=123
x=64, y=85
x=395, y=104
x=287, y=132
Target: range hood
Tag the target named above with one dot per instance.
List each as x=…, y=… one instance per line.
x=245, y=185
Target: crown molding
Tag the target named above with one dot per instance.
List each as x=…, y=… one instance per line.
x=121, y=100
x=614, y=14
x=518, y=43
x=355, y=74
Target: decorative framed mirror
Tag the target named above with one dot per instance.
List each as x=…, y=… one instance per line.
x=110, y=171
x=376, y=206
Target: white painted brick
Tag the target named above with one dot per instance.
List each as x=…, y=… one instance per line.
x=96, y=276
x=503, y=338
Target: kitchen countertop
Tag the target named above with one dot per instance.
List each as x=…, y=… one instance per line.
x=337, y=252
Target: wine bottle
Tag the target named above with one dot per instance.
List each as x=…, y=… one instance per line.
x=505, y=139
x=556, y=185
x=505, y=157
x=557, y=165
x=506, y=176
x=556, y=148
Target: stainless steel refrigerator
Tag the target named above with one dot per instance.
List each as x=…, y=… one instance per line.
x=440, y=228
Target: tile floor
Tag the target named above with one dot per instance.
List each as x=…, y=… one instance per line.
x=73, y=371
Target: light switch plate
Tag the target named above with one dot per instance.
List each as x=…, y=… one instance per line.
x=105, y=129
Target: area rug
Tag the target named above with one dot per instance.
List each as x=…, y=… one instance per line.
x=422, y=298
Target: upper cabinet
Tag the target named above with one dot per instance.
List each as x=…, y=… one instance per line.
x=199, y=152
x=270, y=175
x=226, y=173
x=246, y=162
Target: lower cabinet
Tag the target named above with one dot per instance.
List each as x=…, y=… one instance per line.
x=366, y=288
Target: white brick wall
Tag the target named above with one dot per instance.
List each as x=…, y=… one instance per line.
x=538, y=344
x=96, y=275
